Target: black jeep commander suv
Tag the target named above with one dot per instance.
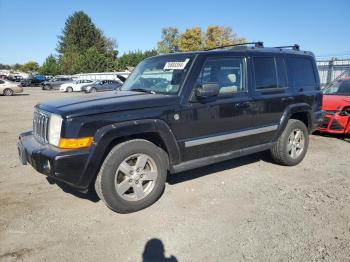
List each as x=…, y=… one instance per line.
x=177, y=112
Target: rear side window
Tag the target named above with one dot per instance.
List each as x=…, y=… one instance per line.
x=265, y=73
x=269, y=73
x=300, y=72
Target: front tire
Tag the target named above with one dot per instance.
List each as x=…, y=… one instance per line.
x=132, y=176
x=291, y=147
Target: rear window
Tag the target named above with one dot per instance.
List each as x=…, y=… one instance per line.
x=300, y=72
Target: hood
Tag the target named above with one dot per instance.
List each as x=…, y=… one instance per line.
x=334, y=102
x=106, y=102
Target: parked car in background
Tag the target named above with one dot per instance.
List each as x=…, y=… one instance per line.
x=33, y=80
x=75, y=86
x=103, y=85
x=8, y=89
x=56, y=82
x=15, y=78
x=336, y=103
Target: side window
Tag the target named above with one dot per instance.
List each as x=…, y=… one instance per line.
x=265, y=73
x=228, y=73
x=2, y=82
x=300, y=72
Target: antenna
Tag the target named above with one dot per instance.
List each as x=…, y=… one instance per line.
x=256, y=44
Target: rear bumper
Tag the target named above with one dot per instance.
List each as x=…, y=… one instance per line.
x=64, y=165
x=335, y=124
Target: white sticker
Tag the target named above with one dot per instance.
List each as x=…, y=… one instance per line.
x=176, y=65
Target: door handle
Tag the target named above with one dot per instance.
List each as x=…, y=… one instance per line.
x=288, y=100
x=243, y=105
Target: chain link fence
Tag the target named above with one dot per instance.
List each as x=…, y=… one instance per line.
x=333, y=69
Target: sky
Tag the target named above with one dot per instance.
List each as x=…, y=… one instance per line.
x=29, y=29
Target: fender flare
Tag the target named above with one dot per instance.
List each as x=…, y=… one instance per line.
x=291, y=110
x=107, y=134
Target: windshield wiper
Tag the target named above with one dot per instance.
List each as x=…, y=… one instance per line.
x=143, y=90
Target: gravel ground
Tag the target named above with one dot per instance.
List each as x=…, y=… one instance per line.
x=247, y=209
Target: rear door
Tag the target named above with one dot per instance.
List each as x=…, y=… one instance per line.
x=272, y=94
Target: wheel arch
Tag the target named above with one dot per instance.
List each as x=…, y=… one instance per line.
x=300, y=111
x=152, y=130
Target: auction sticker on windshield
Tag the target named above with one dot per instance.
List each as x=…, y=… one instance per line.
x=176, y=65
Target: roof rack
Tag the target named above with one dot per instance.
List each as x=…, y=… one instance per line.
x=295, y=47
x=256, y=44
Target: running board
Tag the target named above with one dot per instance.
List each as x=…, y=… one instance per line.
x=192, y=164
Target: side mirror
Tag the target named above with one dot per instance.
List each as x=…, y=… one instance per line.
x=207, y=90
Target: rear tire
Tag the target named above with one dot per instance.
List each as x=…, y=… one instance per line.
x=291, y=147
x=93, y=90
x=132, y=176
x=8, y=92
x=69, y=89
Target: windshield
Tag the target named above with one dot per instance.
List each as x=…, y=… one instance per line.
x=162, y=74
x=338, y=88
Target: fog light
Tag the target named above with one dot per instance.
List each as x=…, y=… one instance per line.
x=47, y=166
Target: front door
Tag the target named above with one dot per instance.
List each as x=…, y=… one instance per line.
x=217, y=125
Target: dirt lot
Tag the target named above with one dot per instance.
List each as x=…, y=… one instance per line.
x=246, y=209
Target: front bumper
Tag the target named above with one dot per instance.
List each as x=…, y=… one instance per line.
x=68, y=166
x=335, y=124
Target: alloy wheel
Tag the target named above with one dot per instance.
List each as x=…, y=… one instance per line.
x=136, y=177
x=296, y=143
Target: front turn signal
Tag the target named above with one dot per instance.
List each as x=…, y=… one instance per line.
x=75, y=143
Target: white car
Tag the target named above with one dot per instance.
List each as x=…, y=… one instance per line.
x=75, y=86
x=8, y=88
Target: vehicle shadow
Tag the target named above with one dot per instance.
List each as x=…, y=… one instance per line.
x=175, y=178
x=218, y=167
x=14, y=95
x=89, y=195
x=154, y=252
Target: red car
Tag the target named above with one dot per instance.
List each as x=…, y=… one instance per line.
x=336, y=103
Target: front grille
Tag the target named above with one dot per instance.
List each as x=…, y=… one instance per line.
x=325, y=122
x=335, y=125
x=41, y=126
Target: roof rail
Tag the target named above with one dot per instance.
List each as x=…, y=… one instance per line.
x=295, y=47
x=256, y=44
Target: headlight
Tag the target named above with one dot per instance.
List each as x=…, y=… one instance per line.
x=55, y=124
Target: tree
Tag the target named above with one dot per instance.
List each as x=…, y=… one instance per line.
x=69, y=62
x=191, y=40
x=216, y=36
x=94, y=61
x=16, y=66
x=30, y=66
x=3, y=66
x=80, y=34
x=169, y=42
x=132, y=58
x=50, y=66
x=81, y=39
